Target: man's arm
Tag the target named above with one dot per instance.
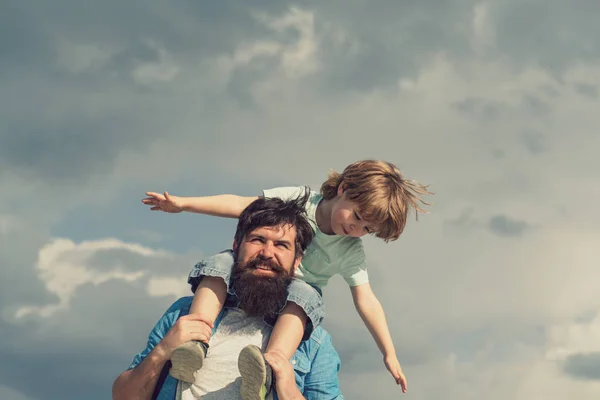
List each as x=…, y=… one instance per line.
x=139, y=383
x=285, y=381
x=322, y=381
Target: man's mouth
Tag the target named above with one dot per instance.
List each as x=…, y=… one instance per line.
x=264, y=267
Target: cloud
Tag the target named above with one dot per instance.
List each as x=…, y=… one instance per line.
x=65, y=266
x=583, y=366
x=492, y=103
x=502, y=225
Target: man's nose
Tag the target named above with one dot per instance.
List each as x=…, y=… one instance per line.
x=267, y=250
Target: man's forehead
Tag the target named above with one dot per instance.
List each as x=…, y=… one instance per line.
x=280, y=232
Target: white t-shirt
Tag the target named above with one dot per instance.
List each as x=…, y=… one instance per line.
x=327, y=255
x=219, y=377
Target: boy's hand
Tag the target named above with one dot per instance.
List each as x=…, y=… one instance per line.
x=393, y=365
x=166, y=202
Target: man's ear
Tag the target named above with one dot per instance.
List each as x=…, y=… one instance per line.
x=297, y=262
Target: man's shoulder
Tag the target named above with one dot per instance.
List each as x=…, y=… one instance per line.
x=182, y=304
x=319, y=335
x=178, y=309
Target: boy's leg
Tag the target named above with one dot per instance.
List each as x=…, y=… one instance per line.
x=209, y=280
x=288, y=331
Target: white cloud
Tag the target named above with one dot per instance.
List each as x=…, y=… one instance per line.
x=64, y=266
x=7, y=393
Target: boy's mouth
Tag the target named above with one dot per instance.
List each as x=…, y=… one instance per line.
x=345, y=231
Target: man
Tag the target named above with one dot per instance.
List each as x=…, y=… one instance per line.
x=270, y=238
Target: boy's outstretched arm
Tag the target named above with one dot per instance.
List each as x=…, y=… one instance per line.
x=224, y=205
x=370, y=310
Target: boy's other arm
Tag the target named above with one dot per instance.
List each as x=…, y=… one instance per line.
x=224, y=205
x=370, y=310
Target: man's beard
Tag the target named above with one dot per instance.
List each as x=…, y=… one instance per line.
x=260, y=296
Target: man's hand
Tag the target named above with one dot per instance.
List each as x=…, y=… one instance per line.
x=393, y=365
x=163, y=202
x=188, y=327
x=285, y=379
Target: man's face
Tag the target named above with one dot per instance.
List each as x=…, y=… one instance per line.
x=269, y=251
x=264, y=267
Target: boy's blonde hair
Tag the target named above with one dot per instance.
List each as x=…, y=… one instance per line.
x=383, y=196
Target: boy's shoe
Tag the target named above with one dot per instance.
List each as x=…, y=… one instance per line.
x=257, y=375
x=187, y=359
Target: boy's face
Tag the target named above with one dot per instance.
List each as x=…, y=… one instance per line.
x=346, y=219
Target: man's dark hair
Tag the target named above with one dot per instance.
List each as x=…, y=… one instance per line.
x=270, y=212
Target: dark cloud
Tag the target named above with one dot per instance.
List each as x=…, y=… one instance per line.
x=503, y=225
x=553, y=35
x=498, y=154
x=18, y=257
x=390, y=40
x=480, y=108
x=66, y=123
x=535, y=142
x=587, y=90
x=585, y=366
x=79, y=352
x=464, y=220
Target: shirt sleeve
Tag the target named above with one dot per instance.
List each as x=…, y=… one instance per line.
x=322, y=382
x=354, y=265
x=284, y=193
x=161, y=328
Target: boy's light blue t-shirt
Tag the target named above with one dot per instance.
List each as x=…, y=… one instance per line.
x=327, y=255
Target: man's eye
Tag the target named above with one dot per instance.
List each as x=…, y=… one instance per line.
x=282, y=245
x=257, y=240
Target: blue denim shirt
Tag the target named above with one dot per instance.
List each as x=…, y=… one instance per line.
x=316, y=362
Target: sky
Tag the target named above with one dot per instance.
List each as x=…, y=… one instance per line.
x=493, y=103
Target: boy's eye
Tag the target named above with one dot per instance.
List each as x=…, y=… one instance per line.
x=369, y=230
x=356, y=216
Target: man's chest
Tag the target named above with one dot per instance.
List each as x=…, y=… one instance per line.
x=219, y=378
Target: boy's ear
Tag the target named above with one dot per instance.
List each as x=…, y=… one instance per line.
x=340, y=189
